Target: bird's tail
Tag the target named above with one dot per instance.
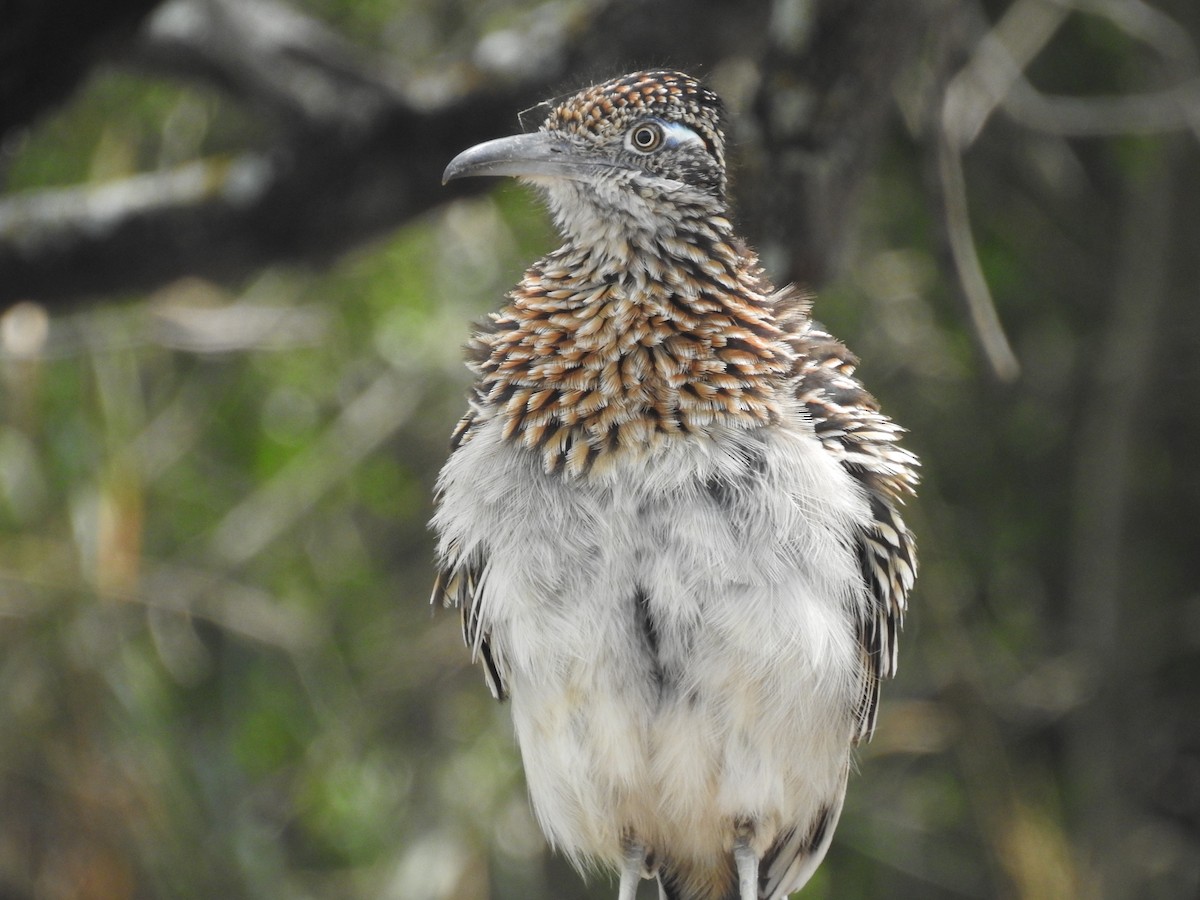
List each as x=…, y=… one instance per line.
x=794, y=858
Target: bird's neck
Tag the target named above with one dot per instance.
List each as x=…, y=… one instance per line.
x=619, y=223
x=612, y=348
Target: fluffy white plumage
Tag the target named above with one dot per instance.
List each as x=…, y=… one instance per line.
x=742, y=545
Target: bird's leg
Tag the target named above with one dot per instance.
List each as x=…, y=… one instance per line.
x=747, y=868
x=631, y=872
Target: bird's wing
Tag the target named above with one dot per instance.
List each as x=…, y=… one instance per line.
x=887, y=554
x=847, y=420
x=462, y=584
x=462, y=581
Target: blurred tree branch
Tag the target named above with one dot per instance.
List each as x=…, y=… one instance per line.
x=355, y=157
x=994, y=78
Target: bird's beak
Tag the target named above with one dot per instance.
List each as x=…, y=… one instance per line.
x=540, y=153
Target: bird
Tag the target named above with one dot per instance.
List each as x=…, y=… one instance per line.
x=670, y=516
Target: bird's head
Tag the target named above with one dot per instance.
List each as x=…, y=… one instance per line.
x=620, y=161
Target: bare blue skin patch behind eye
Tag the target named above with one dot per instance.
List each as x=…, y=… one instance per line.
x=677, y=134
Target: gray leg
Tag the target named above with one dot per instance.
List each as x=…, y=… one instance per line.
x=747, y=870
x=631, y=872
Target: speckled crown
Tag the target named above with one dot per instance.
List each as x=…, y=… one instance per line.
x=670, y=95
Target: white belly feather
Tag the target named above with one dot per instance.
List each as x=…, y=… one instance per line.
x=676, y=631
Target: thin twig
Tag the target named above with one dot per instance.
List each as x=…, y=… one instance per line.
x=977, y=296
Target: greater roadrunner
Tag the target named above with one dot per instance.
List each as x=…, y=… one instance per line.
x=670, y=515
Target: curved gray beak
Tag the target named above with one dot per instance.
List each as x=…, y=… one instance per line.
x=541, y=153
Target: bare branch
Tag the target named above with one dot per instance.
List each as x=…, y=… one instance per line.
x=355, y=160
x=967, y=102
x=977, y=297
x=997, y=63
x=278, y=61
x=363, y=166
x=995, y=78
x=1173, y=109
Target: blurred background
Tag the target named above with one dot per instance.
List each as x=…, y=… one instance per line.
x=233, y=295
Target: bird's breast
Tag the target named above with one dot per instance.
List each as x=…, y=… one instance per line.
x=588, y=374
x=676, y=627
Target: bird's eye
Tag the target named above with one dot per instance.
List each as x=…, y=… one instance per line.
x=645, y=138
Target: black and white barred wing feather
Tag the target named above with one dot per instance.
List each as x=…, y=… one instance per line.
x=462, y=582
x=847, y=420
x=462, y=585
